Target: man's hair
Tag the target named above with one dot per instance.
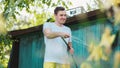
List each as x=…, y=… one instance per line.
x=57, y=9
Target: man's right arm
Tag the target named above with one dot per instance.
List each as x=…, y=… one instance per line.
x=49, y=34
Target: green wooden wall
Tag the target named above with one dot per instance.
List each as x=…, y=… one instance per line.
x=31, y=52
x=82, y=35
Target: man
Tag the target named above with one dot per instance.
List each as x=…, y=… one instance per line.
x=56, y=55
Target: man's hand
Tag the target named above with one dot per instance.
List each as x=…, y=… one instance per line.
x=65, y=35
x=71, y=50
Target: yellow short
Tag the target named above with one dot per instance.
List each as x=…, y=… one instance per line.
x=55, y=65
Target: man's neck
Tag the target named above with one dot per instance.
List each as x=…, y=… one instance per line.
x=58, y=24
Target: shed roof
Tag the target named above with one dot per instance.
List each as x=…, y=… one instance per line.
x=92, y=15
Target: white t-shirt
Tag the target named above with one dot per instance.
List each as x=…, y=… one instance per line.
x=56, y=49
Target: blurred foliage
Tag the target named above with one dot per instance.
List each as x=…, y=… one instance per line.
x=5, y=46
x=3, y=29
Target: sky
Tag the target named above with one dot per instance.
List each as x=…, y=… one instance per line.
x=77, y=3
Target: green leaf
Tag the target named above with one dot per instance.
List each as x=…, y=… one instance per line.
x=49, y=2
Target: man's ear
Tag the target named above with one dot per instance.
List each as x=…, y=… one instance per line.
x=55, y=14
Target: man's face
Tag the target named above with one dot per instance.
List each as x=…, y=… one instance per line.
x=61, y=17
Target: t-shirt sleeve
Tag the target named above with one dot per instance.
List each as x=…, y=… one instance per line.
x=46, y=25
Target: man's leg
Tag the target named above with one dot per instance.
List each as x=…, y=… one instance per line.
x=49, y=65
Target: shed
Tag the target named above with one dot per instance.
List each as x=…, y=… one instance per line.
x=28, y=45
